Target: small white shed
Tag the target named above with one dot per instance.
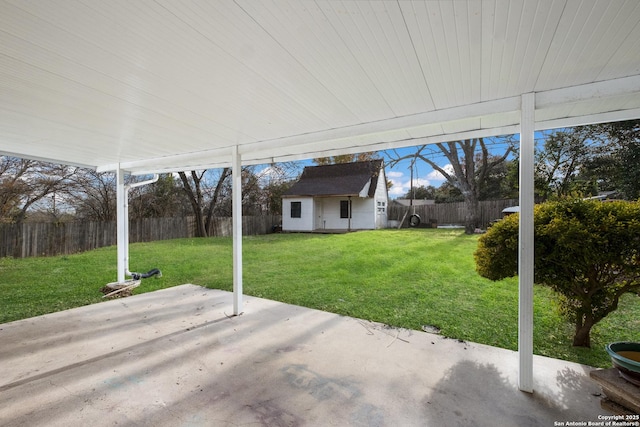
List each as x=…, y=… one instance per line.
x=345, y=196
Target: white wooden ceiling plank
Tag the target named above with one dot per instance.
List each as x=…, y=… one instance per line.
x=427, y=30
x=66, y=102
x=545, y=20
x=56, y=141
x=354, y=29
x=489, y=10
x=603, y=33
x=178, y=44
x=319, y=49
x=72, y=59
x=239, y=91
x=272, y=66
x=516, y=39
x=624, y=46
x=377, y=36
x=470, y=48
x=565, y=61
x=408, y=92
x=197, y=76
x=448, y=44
x=416, y=21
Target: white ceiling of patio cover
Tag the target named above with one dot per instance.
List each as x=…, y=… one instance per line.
x=172, y=85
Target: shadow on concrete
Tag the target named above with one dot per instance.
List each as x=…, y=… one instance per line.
x=476, y=394
x=281, y=365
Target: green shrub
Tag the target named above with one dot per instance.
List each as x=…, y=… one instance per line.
x=587, y=251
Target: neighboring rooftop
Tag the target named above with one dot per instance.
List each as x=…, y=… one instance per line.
x=342, y=179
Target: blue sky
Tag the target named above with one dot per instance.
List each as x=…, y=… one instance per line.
x=424, y=174
x=399, y=174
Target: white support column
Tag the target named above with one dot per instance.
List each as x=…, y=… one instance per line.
x=122, y=225
x=525, y=247
x=236, y=176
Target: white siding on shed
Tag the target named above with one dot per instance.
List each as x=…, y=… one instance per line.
x=381, y=201
x=305, y=222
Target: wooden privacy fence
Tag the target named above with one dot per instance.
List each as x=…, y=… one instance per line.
x=451, y=213
x=61, y=238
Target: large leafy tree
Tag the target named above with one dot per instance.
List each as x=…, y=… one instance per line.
x=421, y=193
x=560, y=161
x=618, y=165
x=587, y=251
x=588, y=159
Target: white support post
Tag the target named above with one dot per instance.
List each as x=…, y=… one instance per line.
x=525, y=247
x=122, y=225
x=236, y=176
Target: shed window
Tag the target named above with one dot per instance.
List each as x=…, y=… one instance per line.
x=344, y=209
x=296, y=209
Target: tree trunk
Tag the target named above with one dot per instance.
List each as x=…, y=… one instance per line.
x=208, y=223
x=195, y=199
x=201, y=230
x=472, y=214
x=582, y=337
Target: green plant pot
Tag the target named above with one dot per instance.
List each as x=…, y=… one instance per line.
x=626, y=357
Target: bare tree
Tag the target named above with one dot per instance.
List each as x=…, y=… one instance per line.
x=196, y=188
x=560, y=161
x=23, y=183
x=471, y=168
x=94, y=197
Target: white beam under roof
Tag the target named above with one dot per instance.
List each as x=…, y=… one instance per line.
x=496, y=117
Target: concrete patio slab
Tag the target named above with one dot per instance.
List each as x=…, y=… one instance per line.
x=176, y=358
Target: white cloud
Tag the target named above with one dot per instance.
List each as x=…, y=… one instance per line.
x=401, y=184
x=437, y=176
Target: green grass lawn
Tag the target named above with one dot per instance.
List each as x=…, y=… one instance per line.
x=405, y=278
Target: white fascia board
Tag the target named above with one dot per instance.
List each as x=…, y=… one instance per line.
x=317, y=150
x=588, y=92
x=356, y=138
x=387, y=125
x=365, y=190
x=177, y=162
x=45, y=159
x=567, y=122
x=320, y=150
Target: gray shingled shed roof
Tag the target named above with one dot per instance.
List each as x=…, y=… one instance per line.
x=345, y=179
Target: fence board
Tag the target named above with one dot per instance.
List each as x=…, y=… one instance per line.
x=46, y=239
x=452, y=213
